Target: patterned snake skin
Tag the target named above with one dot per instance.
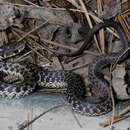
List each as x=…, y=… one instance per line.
x=94, y=71
x=32, y=74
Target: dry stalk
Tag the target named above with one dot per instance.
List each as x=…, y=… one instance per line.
x=74, y=3
x=70, y=108
x=113, y=101
x=101, y=32
x=45, y=90
x=31, y=117
x=97, y=19
x=28, y=118
x=4, y=37
x=114, y=119
x=127, y=109
x=55, y=43
x=90, y=23
x=58, y=64
x=23, y=57
x=47, y=3
x=33, y=30
x=77, y=67
x=23, y=126
x=29, y=2
x=110, y=47
x=120, y=57
x=34, y=50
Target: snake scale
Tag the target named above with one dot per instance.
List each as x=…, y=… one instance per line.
x=32, y=74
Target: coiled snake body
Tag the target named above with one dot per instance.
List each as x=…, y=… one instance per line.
x=61, y=78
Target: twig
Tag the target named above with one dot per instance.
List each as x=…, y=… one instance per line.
x=28, y=119
x=77, y=67
x=116, y=119
x=112, y=97
x=97, y=19
x=74, y=3
x=55, y=43
x=120, y=57
x=35, y=50
x=24, y=56
x=32, y=121
x=70, y=108
x=58, y=64
x=124, y=111
x=47, y=90
x=33, y=30
x=101, y=32
x=110, y=41
x=120, y=116
x=32, y=49
x=90, y=23
x=31, y=117
x=29, y=2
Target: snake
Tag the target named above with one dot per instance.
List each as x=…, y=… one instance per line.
x=33, y=75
